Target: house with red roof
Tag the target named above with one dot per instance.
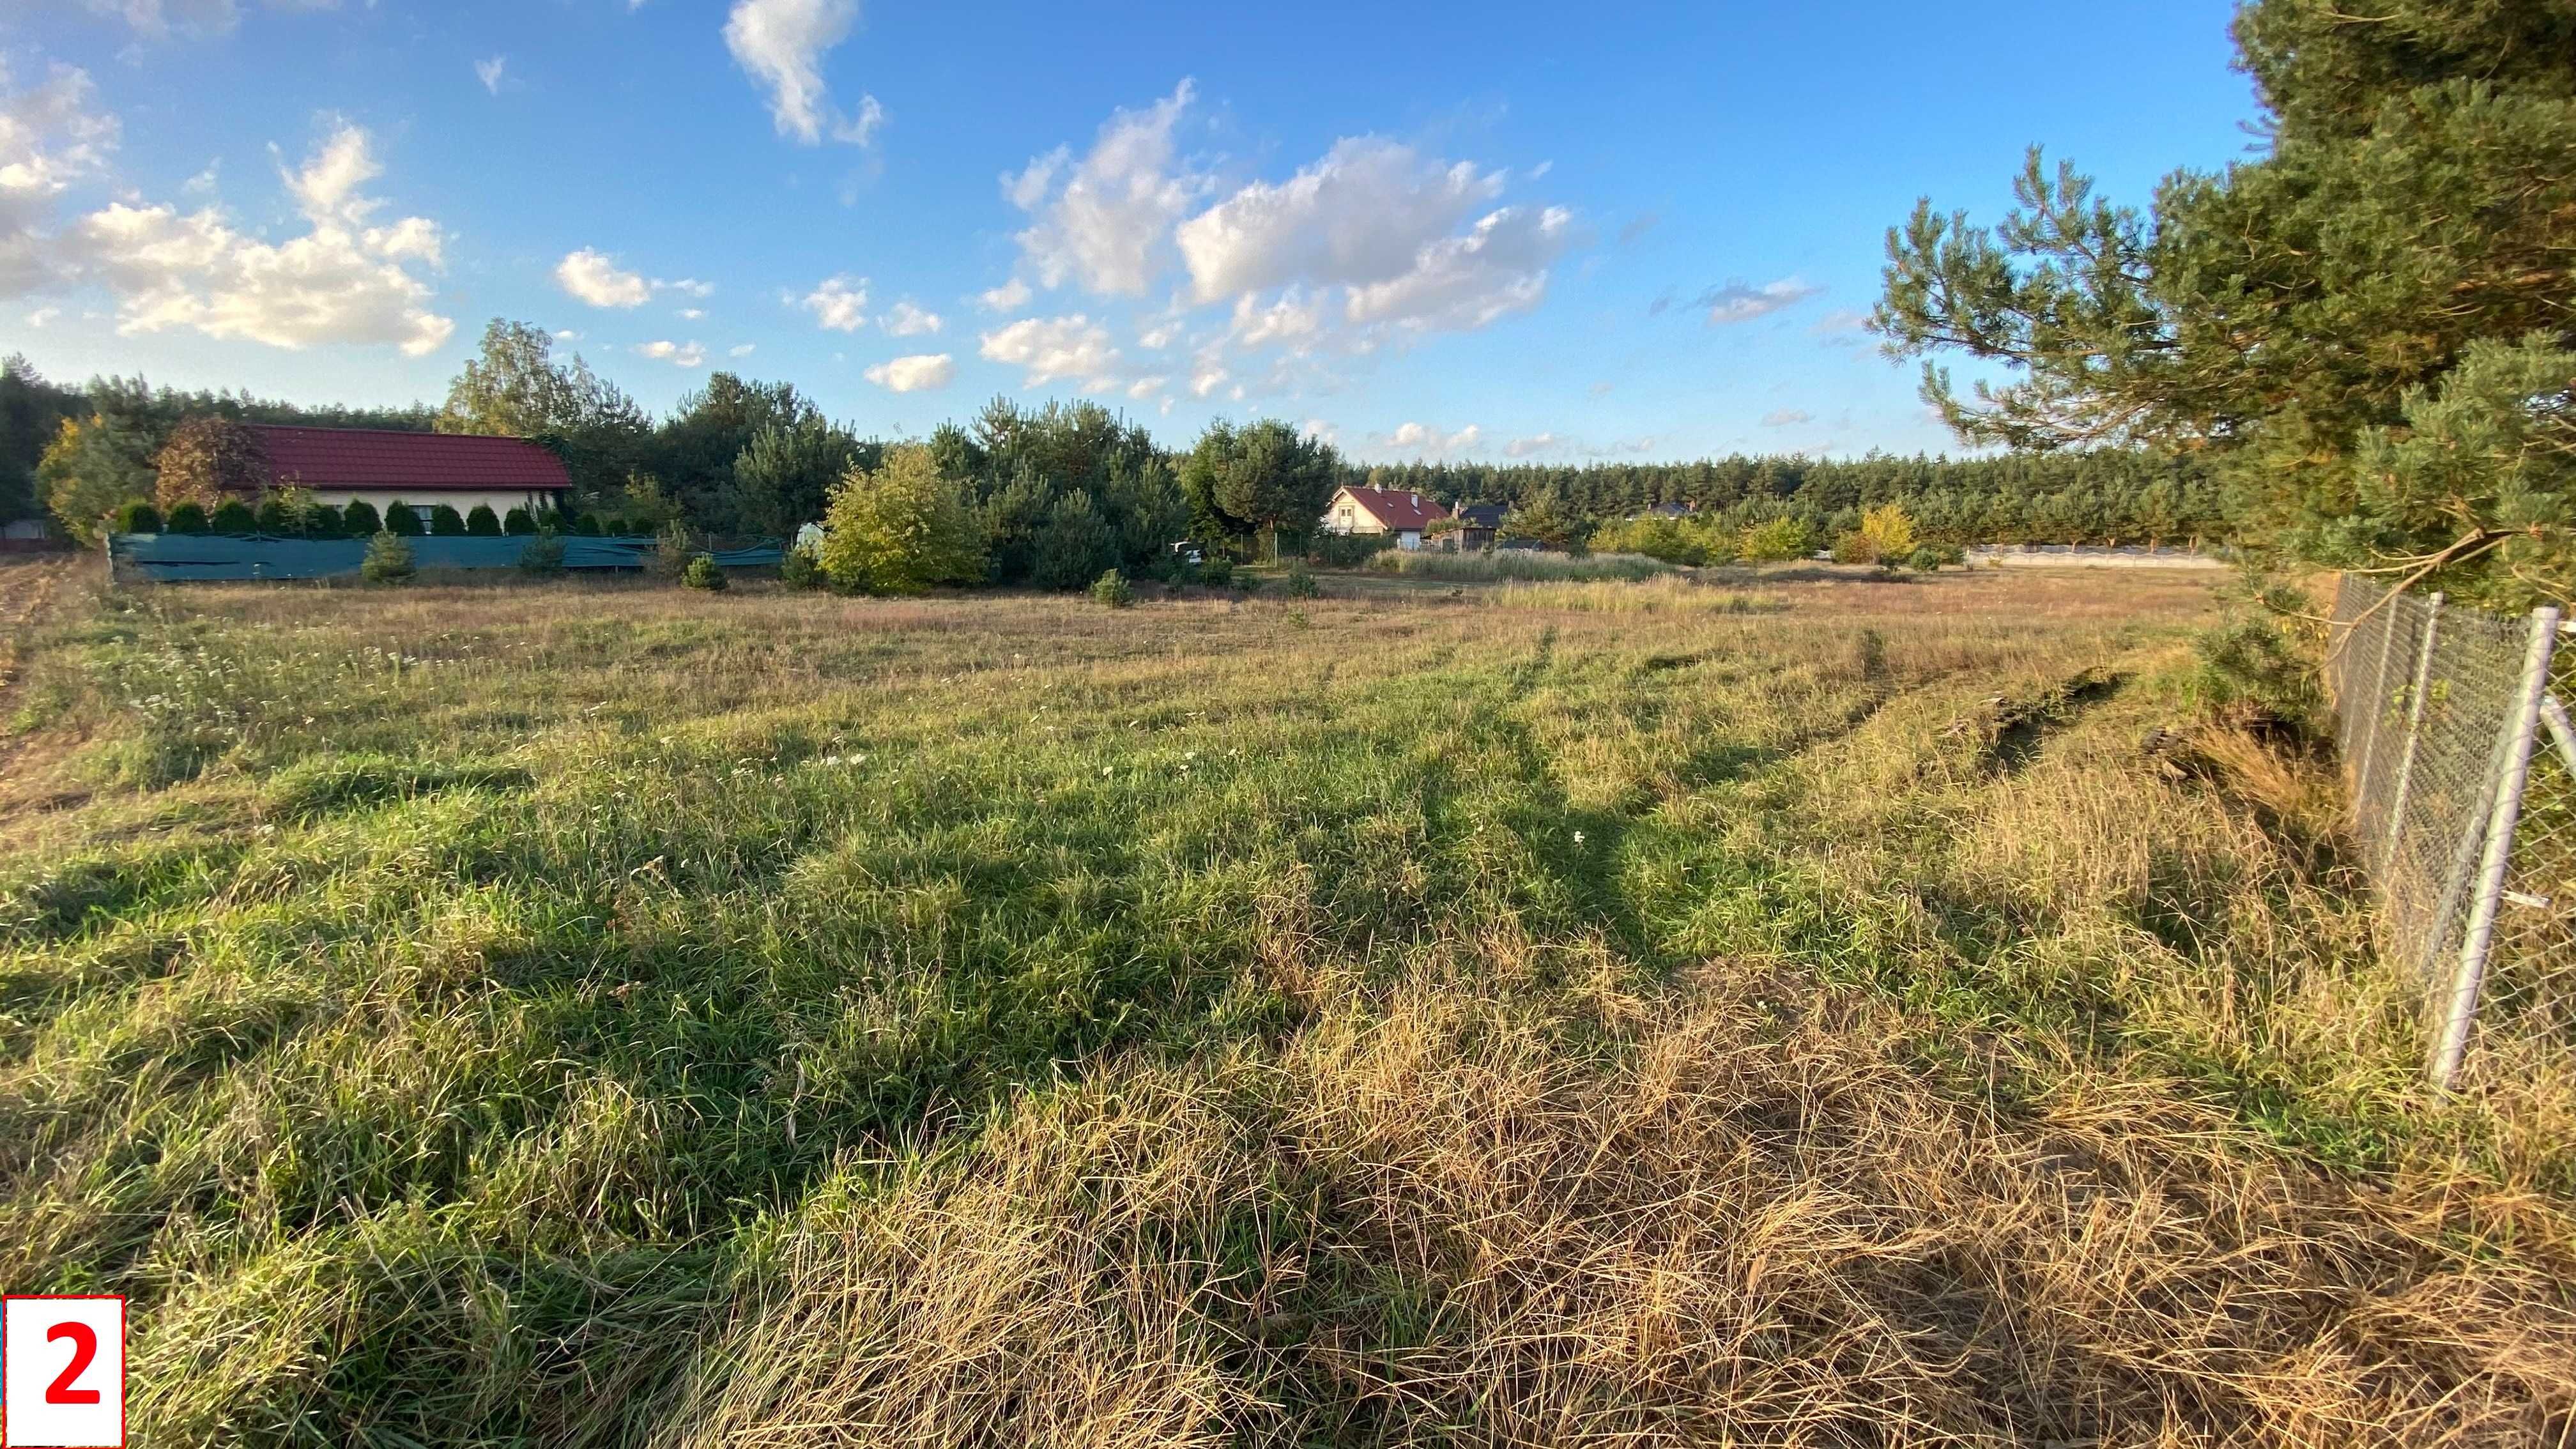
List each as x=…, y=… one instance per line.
x=384, y=467
x=1382, y=511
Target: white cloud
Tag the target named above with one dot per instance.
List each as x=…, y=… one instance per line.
x=1468, y=282
x=1787, y=417
x=781, y=43
x=340, y=282
x=678, y=354
x=43, y=315
x=1430, y=442
x=742, y=349
x=1007, y=298
x=913, y=374
x=1534, y=445
x=1293, y=321
x=566, y=334
x=49, y=139
x=1074, y=348
x=594, y=277
x=161, y=19
x=1106, y=226
x=839, y=304
x=1321, y=431
x=489, y=72
x=907, y=320
x=1739, y=302
x=1840, y=324
x=692, y=314
x=1361, y=214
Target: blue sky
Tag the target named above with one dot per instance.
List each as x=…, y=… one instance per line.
x=1443, y=230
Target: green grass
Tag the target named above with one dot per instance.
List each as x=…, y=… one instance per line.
x=579, y=1013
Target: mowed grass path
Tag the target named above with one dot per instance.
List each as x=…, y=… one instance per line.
x=1641, y=1013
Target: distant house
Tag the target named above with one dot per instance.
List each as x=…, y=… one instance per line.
x=1382, y=510
x=383, y=467
x=1478, y=523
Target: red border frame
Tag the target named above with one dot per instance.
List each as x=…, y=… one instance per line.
x=124, y=1354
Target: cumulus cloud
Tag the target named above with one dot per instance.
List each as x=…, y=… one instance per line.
x=1103, y=221
x=906, y=320
x=743, y=349
x=1738, y=301
x=343, y=281
x=1430, y=442
x=1361, y=214
x=1787, y=417
x=1535, y=445
x=1840, y=324
x=1465, y=283
x=593, y=277
x=1072, y=348
x=839, y=304
x=781, y=44
x=913, y=374
x=1007, y=298
x=678, y=354
x=49, y=139
x=489, y=72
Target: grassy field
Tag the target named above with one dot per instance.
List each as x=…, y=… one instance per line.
x=1784, y=1009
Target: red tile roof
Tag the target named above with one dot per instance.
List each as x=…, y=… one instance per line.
x=1398, y=512
x=375, y=458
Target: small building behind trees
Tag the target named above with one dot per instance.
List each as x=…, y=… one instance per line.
x=1363, y=510
x=339, y=466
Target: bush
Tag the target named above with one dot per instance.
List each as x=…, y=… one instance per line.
x=402, y=520
x=1217, y=572
x=234, y=517
x=900, y=529
x=388, y=560
x=543, y=557
x=483, y=522
x=798, y=570
x=138, y=517
x=518, y=522
x=673, y=551
x=1247, y=584
x=1301, y=584
x=1924, y=559
x=1778, y=541
x=188, y=517
x=1854, y=548
x=277, y=519
x=324, y=521
x=359, y=520
x=446, y=522
x=1110, y=590
x=702, y=573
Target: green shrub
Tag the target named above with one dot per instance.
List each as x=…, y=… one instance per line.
x=702, y=573
x=901, y=528
x=138, y=517
x=277, y=519
x=799, y=571
x=1217, y=572
x=1246, y=584
x=1778, y=541
x=388, y=560
x=483, y=522
x=323, y=521
x=1924, y=559
x=1854, y=547
x=359, y=520
x=234, y=517
x=1301, y=584
x=446, y=522
x=1111, y=591
x=518, y=522
x=1348, y=550
x=673, y=551
x=188, y=516
x=403, y=521
x=544, y=555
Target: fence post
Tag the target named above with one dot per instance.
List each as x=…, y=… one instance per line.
x=2414, y=734
x=2394, y=604
x=2462, y=1007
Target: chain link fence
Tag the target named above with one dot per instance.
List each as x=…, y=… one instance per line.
x=2462, y=770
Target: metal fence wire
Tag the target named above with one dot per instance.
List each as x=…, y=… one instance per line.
x=2462, y=770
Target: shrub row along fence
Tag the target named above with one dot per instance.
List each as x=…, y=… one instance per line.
x=180, y=557
x=2462, y=768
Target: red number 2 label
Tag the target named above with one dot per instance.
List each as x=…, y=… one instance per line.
x=84, y=1349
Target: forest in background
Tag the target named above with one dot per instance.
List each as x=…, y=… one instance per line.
x=1061, y=484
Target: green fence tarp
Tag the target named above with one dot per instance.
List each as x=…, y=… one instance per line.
x=173, y=557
